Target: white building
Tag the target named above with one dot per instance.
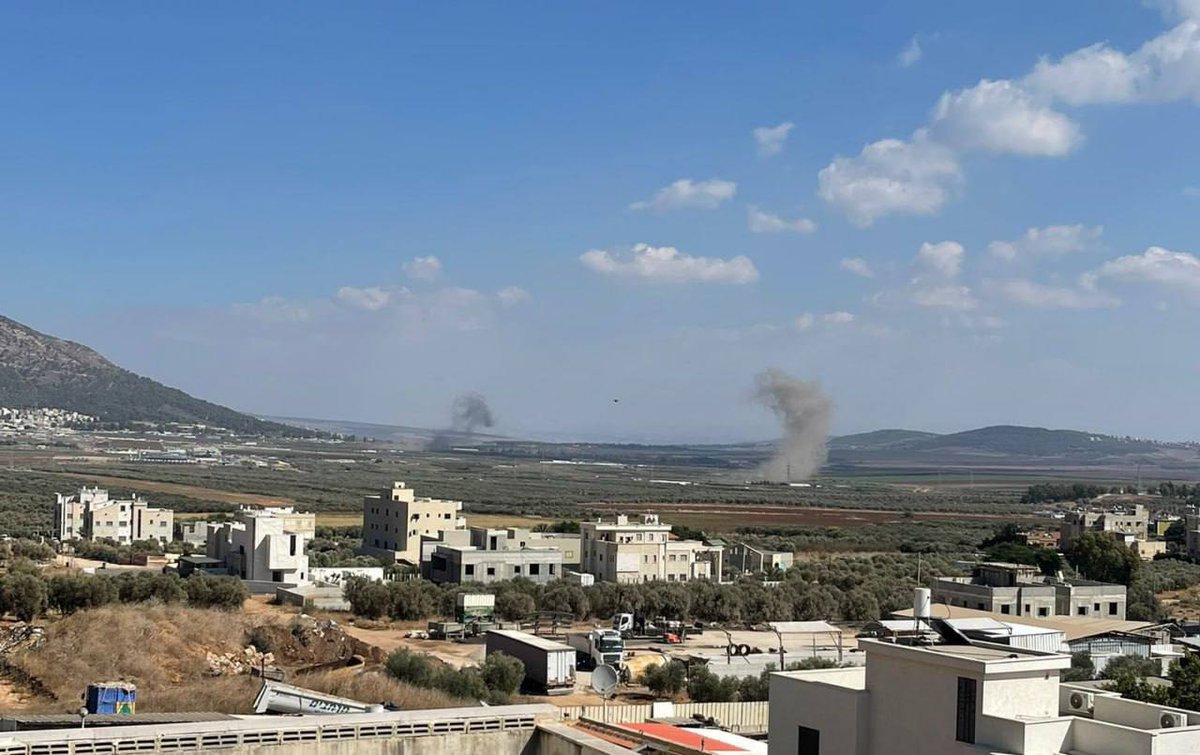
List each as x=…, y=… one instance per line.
x=91, y=515
x=264, y=545
x=643, y=551
x=945, y=699
x=395, y=521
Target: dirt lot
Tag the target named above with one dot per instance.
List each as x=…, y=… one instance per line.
x=719, y=516
x=187, y=491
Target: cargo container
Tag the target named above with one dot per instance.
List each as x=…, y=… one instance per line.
x=549, y=665
x=111, y=698
x=475, y=608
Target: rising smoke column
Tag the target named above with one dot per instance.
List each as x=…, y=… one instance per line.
x=805, y=413
x=471, y=412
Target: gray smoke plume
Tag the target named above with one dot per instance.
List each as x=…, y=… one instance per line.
x=805, y=412
x=471, y=412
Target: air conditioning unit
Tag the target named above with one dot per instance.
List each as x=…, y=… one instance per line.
x=1081, y=702
x=1170, y=720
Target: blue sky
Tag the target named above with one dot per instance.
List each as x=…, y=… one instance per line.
x=978, y=214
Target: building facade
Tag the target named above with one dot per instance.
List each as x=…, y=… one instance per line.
x=1021, y=590
x=470, y=564
x=642, y=551
x=395, y=521
x=945, y=699
x=264, y=545
x=1133, y=525
x=91, y=515
x=748, y=559
x=518, y=538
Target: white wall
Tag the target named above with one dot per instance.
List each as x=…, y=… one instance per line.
x=837, y=711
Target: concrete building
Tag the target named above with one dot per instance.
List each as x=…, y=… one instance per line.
x=1135, y=524
x=946, y=699
x=1021, y=590
x=748, y=559
x=518, y=538
x=264, y=545
x=91, y=515
x=395, y=521
x=471, y=564
x=643, y=551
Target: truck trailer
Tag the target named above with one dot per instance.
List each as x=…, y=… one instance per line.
x=549, y=665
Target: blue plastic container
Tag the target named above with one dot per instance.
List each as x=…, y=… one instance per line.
x=111, y=698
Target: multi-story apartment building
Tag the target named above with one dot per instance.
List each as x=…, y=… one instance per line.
x=91, y=515
x=643, y=551
x=264, y=545
x=1133, y=524
x=450, y=563
x=520, y=538
x=395, y=521
x=1021, y=590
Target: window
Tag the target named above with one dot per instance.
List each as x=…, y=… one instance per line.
x=1043, y=611
x=1005, y=609
x=1081, y=610
x=1096, y=608
x=292, y=545
x=516, y=570
x=964, y=730
x=1112, y=609
x=469, y=570
x=1027, y=608
x=808, y=741
x=535, y=569
x=552, y=569
x=491, y=571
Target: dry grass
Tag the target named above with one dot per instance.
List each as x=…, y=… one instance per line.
x=161, y=649
x=378, y=687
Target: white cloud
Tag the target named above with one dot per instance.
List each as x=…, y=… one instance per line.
x=1051, y=241
x=1165, y=68
x=891, y=176
x=805, y=321
x=944, y=257
x=1029, y=293
x=999, y=116
x=511, y=295
x=954, y=298
x=765, y=222
x=771, y=139
x=838, y=318
x=910, y=54
x=371, y=298
x=668, y=265
x=1156, y=266
x=858, y=266
x=426, y=269
x=686, y=193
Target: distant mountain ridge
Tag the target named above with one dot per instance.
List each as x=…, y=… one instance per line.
x=1000, y=439
x=39, y=370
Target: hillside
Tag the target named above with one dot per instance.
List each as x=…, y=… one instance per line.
x=38, y=370
x=878, y=439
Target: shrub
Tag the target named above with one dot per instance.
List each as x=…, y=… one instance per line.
x=226, y=593
x=24, y=596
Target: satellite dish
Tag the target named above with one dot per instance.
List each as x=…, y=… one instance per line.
x=604, y=680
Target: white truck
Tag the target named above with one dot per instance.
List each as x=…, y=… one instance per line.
x=598, y=647
x=549, y=665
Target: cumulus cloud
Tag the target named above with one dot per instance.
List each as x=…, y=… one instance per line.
x=1035, y=295
x=688, y=194
x=911, y=53
x=944, y=258
x=1157, y=266
x=891, y=176
x=765, y=222
x=511, y=295
x=770, y=139
x=1015, y=117
x=805, y=321
x=370, y=298
x=999, y=116
x=1051, y=241
x=953, y=298
x=427, y=269
x=858, y=266
x=666, y=264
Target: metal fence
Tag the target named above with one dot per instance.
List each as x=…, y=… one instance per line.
x=738, y=717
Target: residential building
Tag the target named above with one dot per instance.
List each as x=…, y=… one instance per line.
x=91, y=515
x=192, y=533
x=1021, y=590
x=953, y=699
x=471, y=564
x=518, y=538
x=395, y=521
x=643, y=551
x=264, y=545
x=748, y=559
x=1135, y=523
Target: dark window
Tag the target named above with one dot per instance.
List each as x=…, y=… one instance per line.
x=965, y=715
x=1005, y=609
x=292, y=545
x=470, y=569
x=535, y=569
x=1081, y=610
x=809, y=741
x=1112, y=609
x=1096, y=607
x=551, y=568
x=1026, y=608
x=1043, y=611
x=491, y=571
x=517, y=570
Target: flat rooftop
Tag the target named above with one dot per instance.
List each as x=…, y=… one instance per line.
x=1074, y=627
